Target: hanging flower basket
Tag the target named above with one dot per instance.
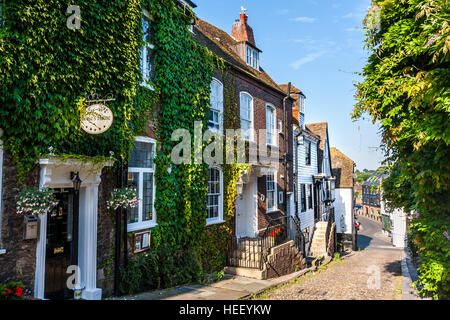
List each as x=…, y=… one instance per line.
x=123, y=198
x=35, y=201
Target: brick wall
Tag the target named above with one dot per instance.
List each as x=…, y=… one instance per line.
x=284, y=259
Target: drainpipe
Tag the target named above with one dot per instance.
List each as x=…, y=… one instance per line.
x=286, y=136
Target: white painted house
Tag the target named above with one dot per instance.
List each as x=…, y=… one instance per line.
x=343, y=169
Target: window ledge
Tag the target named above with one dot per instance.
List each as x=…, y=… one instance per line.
x=272, y=210
x=214, y=221
x=146, y=85
x=140, y=226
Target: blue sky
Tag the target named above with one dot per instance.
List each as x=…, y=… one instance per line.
x=318, y=46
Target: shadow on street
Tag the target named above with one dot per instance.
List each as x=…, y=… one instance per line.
x=363, y=241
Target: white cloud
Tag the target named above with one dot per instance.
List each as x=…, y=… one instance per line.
x=309, y=58
x=305, y=19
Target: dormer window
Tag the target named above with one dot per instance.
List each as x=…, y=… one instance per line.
x=252, y=57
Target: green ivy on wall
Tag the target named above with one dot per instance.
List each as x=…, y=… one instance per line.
x=47, y=69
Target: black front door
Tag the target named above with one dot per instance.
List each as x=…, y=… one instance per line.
x=62, y=245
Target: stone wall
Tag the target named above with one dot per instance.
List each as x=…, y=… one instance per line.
x=19, y=261
x=282, y=260
x=105, y=235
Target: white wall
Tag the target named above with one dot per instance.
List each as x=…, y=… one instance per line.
x=343, y=206
x=399, y=228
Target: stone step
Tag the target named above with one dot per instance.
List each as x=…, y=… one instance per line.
x=243, y=263
x=247, y=256
x=245, y=272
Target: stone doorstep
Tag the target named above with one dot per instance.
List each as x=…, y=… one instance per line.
x=245, y=272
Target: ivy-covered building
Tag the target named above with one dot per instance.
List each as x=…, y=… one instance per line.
x=249, y=99
x=147, y=71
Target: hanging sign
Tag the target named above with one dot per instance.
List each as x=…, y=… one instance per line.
x=97, y=119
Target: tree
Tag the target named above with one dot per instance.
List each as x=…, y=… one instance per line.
x=406, y=88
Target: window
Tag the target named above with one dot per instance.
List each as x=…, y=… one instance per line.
x=141, y=170
x=215, y=113
x=308, y=153
x=310, y=195
x=146, y=51
x=270, y=125
x=303, y=196
x=246, y=115
x=214, y=201
x=252, y=57
x=301, y=104
x=271, y=190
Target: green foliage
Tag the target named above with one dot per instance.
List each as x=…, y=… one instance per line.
x=47, y=70
x=11, y=291
x=406, y=88
x=361, y=177
x=161, y=268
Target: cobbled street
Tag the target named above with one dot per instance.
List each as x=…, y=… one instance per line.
x=373, y=273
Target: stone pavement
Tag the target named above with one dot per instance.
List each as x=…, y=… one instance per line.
x=231, y=288
x=374, y=273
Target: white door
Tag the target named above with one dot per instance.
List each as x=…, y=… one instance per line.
x=246, y=210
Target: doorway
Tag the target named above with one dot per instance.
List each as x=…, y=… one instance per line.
x=316, y=202
x=246, y=210
x=61, y=244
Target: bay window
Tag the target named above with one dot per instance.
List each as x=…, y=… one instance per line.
x=141, y=175
x=246, y=110
x=214, y=201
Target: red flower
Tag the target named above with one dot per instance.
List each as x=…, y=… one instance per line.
x=19, y=291
x=8, y=291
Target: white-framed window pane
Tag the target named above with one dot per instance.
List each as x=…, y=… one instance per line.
x=142, y=155
x=147, y=196
x=147, y=49
x=271, y=192
x=270, y=126
x=133, y=213
x=246, y=115
x=213, y=197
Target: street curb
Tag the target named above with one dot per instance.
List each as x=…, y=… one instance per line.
x=297, y=275
x=408, y=292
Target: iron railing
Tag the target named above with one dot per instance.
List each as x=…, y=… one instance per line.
x=253, y=252
x=296, y=234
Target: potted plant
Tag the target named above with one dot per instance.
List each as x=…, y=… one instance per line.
x=11, y=291
x=35, y=201
x=123, y=198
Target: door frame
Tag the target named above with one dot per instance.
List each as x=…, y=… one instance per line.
x=249, y=196
x=55, y=173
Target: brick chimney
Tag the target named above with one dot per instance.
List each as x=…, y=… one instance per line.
x=241, y=31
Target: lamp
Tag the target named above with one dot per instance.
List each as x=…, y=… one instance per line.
x=75, y=177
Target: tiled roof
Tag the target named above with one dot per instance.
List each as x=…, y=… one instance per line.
x=294, y=90
x=223, y=46
x=376, y=178
x=343, y=168
x=319, y=129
